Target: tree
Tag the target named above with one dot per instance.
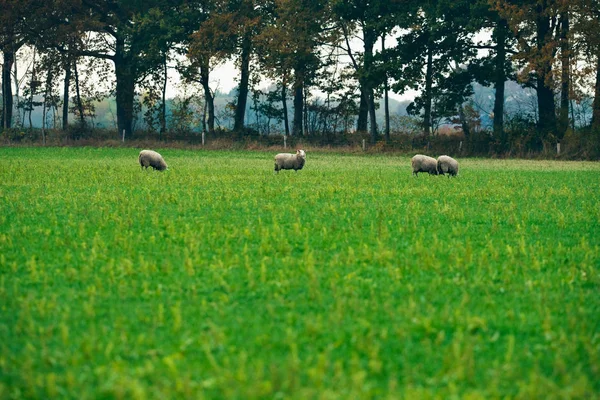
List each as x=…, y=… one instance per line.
x=275, y=54
x=206, y=44
x=495, y=68
x=229, y=30
x=501, y=37
x=386, y=96
x=199, y=71
x=134, y=36
x=289, y=45
x=431, y=57
x=534, y=23
x=586, y=25
x=372, y=19
x=565, y=75
x=14, y=21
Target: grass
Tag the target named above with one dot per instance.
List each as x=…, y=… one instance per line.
x=348, y=279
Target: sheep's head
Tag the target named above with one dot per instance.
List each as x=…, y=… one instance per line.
x=301, y=154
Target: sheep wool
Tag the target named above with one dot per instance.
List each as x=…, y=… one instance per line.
x=447, y=165
x=150, y=158
x=421, y=163
x=290, y=161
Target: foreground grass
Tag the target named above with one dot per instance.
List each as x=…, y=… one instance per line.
x=348, y=279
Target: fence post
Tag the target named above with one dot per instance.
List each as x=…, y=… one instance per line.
x=202, y=138
x=460, y=147
x=364, y=145
x=123, y=135
x=284, y=142
x=558, y=149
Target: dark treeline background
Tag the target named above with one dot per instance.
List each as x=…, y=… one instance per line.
x=502, y=76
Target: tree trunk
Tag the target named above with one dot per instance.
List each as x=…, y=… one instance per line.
x=500, y=79
x=7, y=96
x=372, y=117
x=124, y=98
x=49, y=78
x=204, y=112
x=386, y=98
x=305, y=114
x=78, y=96
x=596, y=104
x=255, y=98
x=369, y=39
x=545, y=92
x=32, y=88
x=546, y=106
x=240, y=110
x=286, y=122
x=298, y=101
x=125, y=91
x=163, y=106
x=44, y=122
x=65, y=109
x=210, y=105
x=565, y=76
x=363, y=111
x=463, y=122
x=427, y=94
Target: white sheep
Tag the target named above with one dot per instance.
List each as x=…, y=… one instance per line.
x=290, y=161
x=421, y=163
x=150, y=158
x=447, y=165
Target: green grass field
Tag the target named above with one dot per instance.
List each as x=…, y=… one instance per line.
x=348, y=279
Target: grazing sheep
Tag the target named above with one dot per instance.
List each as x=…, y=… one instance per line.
x=150, y=158
x=447, y=165
x=290, y=161
x=421, y=163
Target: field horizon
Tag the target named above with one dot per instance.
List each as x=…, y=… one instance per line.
x=348, y=279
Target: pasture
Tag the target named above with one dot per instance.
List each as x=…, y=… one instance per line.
x=348, y=279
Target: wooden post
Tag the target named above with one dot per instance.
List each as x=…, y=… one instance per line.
x=202, y=138
x=460, y=146
x=364, y=146
x=284, y=142
x=558, y=149
x=123, y=135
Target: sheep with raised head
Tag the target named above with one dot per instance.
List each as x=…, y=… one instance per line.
x=421, y=163
x=150, y=158
x=447, y=165
x=290, y=161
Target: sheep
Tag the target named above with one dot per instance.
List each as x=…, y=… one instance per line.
x=447, y=165
x=421, y=163
x=290, y=161
x=150, y=158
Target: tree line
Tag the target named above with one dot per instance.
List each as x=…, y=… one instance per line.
x=350, y=52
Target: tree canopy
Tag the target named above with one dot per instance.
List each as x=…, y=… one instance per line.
x=438, y=48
